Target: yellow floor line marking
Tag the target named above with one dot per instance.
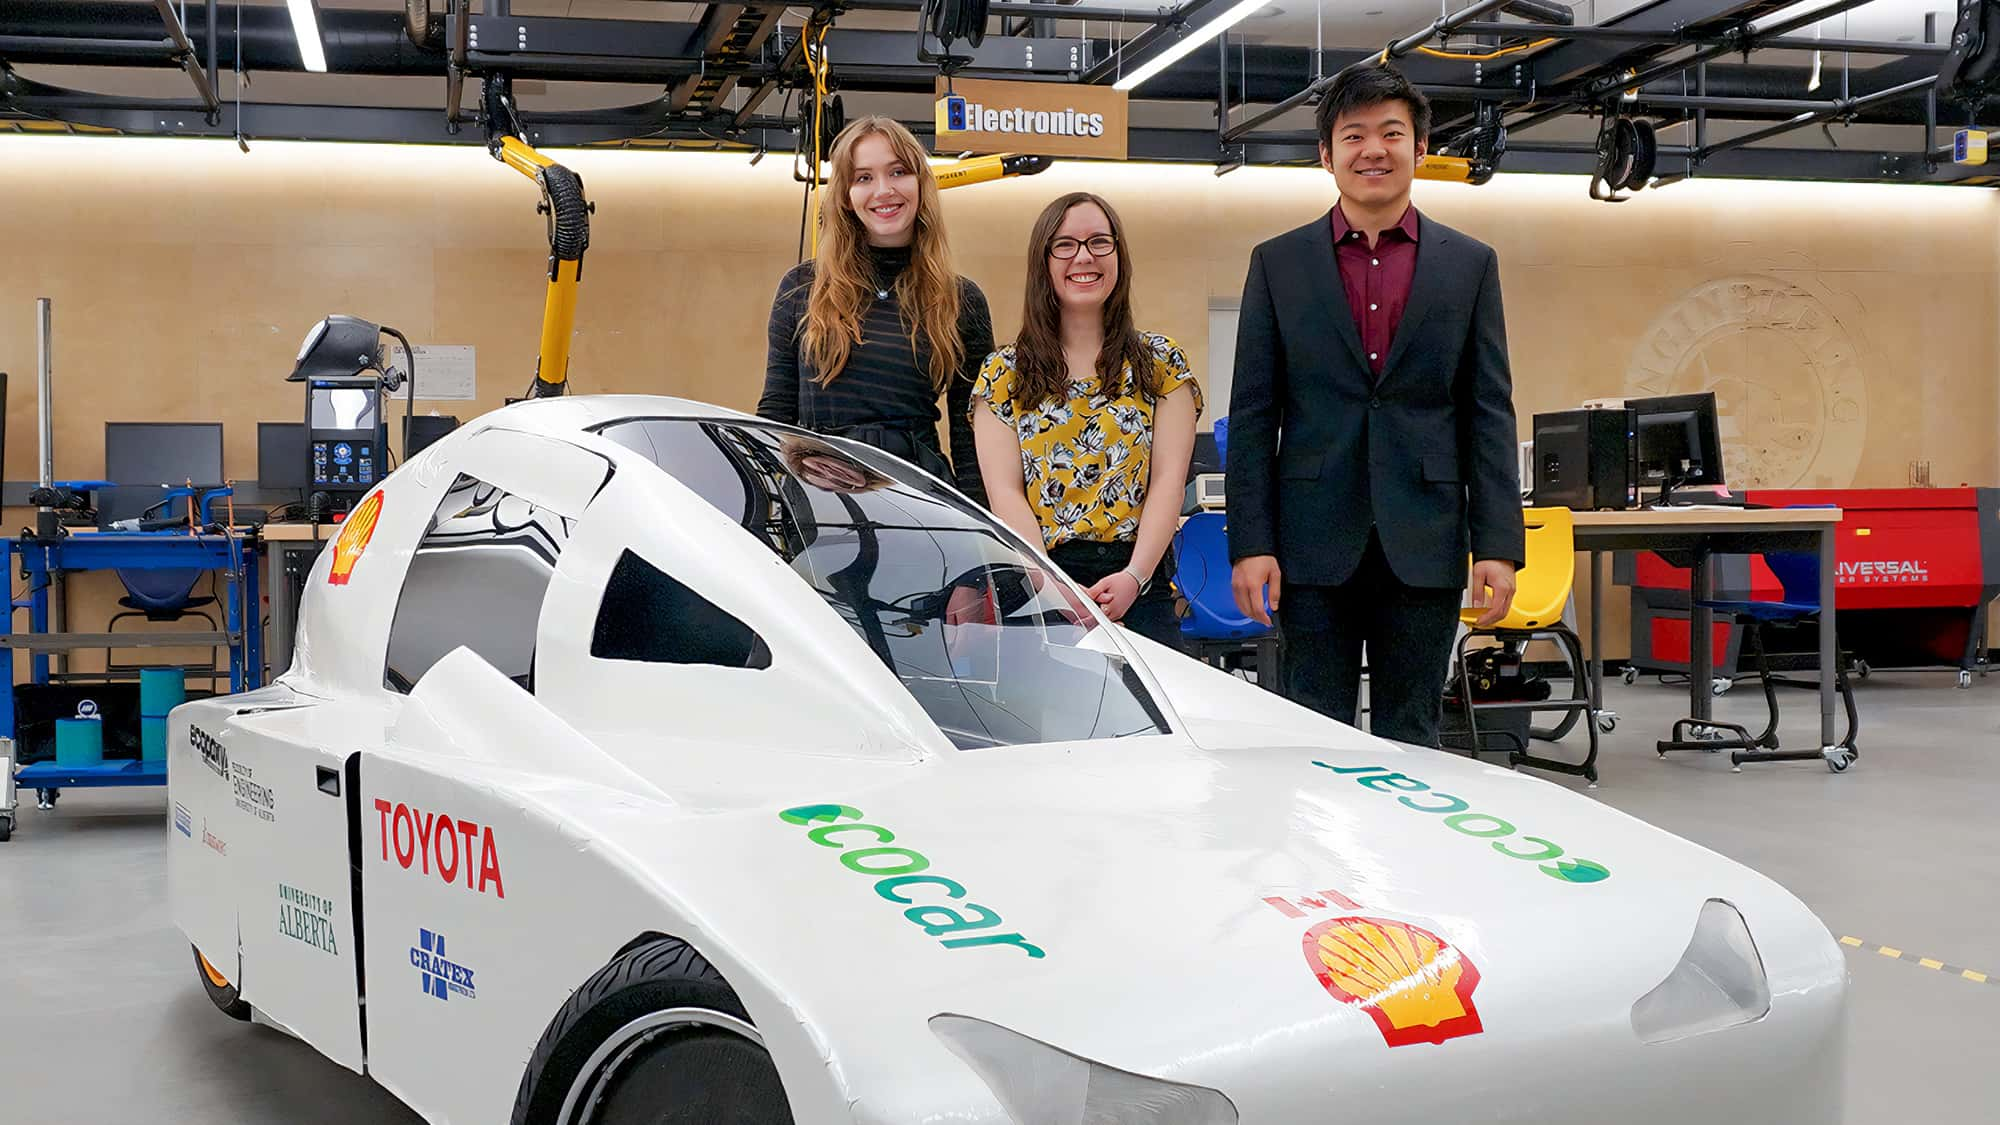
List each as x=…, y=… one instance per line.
x=1895, y=954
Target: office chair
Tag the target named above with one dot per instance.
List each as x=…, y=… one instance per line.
x=1541, y=590
x=163, y=595
x=1798, y=574
x=1214, y=630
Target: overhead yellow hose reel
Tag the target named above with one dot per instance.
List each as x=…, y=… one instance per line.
x=569, y=233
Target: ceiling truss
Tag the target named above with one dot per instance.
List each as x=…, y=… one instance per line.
x=711, y=82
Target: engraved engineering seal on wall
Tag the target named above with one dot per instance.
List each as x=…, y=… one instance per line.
x=1790, y=390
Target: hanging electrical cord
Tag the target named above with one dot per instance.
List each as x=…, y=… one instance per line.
x=816, y=64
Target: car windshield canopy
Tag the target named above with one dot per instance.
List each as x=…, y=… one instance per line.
x=996, y=648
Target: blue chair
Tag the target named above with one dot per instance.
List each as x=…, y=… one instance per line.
x=165, y=595
x=1214, y=630
x=1798, y=574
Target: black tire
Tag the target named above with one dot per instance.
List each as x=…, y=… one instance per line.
x=221, y=993
x=683, y=1074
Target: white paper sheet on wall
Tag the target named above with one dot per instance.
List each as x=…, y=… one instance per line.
x=446, y=371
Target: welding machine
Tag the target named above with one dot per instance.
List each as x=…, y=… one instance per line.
x=347, y=429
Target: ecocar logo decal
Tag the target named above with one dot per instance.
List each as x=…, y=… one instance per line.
x=901, y=866
x=1459, y=818
x=353, y=539
x=1415, y=985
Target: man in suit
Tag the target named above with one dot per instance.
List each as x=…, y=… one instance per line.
x=1371, y=427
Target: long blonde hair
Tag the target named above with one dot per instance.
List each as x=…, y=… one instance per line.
x=844, y=277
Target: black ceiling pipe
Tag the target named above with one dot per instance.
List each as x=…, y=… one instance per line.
x=356, y=42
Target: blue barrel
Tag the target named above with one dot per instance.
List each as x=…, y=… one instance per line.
x=152, y=739
x=160, y=691
x=79, y=742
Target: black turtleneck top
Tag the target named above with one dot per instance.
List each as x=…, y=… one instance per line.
x=887, y=377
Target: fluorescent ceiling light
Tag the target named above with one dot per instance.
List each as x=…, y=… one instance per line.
x=1188, y=43
x=305, y=25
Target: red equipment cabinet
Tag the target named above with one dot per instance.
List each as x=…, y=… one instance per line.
x=1916, y=570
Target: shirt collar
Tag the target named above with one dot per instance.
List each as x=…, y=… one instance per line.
x=1407, y=224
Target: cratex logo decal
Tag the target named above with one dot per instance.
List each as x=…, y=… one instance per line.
x=430, y=842
x=1459, y=817
x=306, y=917
x=900, y=866
x=438, y=975
x=252, y=797
x=213, y=754
x=213, y=842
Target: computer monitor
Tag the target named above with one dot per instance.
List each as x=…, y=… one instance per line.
x=1678, y=441
x=139, y=457
x=281, y=457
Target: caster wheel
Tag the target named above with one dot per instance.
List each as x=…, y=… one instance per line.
x=1607, y=723
x=6, y=828
x=1861, y=669
x=1964, y=678
x=1629, y=675
x=1720, y=687
x=1839, y=760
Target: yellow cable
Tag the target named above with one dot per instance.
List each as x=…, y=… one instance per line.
x=1501, y=53
x=816, y=63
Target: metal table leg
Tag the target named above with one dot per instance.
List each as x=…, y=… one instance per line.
x=1701, y=629
x=1829, y=649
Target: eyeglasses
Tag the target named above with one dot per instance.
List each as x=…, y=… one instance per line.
x=1101, y=246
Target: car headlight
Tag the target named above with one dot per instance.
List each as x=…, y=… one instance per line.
x=1040, y=1085
x=1719, y=982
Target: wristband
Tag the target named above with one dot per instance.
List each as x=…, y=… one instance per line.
x=1145, y=582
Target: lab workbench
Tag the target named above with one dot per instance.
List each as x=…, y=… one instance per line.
x=236, y=557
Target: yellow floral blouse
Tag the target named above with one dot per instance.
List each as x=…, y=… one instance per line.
x=1086, y=460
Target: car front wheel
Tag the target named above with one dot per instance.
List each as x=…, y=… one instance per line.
x=655, y=1037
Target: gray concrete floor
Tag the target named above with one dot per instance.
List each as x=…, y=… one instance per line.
x=104, y=1021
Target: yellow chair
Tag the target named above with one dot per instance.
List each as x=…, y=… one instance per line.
x=1541, y=590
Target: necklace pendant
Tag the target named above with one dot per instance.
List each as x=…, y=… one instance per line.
x=882, y=294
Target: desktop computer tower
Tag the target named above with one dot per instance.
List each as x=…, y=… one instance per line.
x=1586, y=459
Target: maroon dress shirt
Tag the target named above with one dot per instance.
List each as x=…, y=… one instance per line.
x=1377, y=281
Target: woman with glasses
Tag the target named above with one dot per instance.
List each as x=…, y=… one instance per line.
x=865, y=336
x=1084, y=425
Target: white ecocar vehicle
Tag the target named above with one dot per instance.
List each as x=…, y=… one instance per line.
x=641, y=761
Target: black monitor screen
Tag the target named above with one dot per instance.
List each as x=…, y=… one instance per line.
x=343, y=408
x=282, y=454
x=139, y=457
x=1678, y=440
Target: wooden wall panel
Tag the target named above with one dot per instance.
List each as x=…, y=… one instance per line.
x=185, y=275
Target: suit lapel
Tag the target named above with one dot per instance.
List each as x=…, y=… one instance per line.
x=1323, y=273
x=1433, y=272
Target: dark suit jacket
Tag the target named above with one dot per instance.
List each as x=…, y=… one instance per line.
x=1320, y=450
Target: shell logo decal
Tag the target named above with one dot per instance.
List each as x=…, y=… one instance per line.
x=1415, y=985
x=353, y=539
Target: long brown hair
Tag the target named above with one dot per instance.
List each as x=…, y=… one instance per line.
x=1042, y=373
x=844, y=277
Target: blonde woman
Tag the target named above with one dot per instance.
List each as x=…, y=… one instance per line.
x=866, y=336
x=1085, y=425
